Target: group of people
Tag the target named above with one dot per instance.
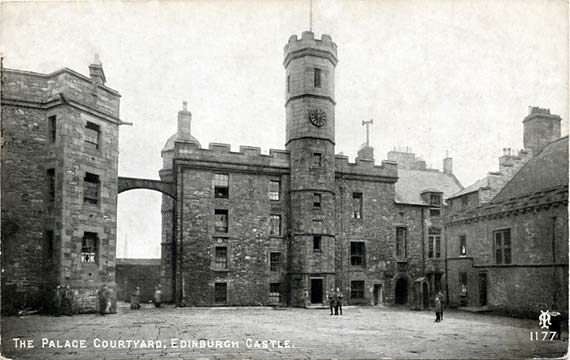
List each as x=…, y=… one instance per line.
x=63, y=300
x=335, y=301
x=136, y=298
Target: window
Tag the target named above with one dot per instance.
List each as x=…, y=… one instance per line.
x=434, y=241
x=221, y=186
x=51, y=186
x=462, y=245
x=92, y=132
x=221, y=220
x=220, y=293
x=317, y=78
x=317, y=242
x=502, y=246
x=357, y=253
x=357, y=205
x=274, y=190
x=401, y=242
x=221, y=258
x=274, y=288
x=357, y=289
x=275, y=261
x=50, y=247
x=463, y=282
x=435, y=204
x=316, y=200
x=464, y=201
x=288, y=83
x=275, y=225
x=91, y=189
x=317, y=159
x=89, y=247
x=52, y=128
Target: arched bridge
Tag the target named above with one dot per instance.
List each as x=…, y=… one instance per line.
x=128, y=183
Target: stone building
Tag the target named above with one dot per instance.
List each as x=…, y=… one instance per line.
x=510, y=254
x=253, y=229
x=59, y=187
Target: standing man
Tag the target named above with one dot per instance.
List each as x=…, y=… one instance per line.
x=68, y=300
x=331, y=300
x=157, y=296
x=440, y=295
x=102, y=295
x=339, y=296
x=57, y=300
x=437, y=309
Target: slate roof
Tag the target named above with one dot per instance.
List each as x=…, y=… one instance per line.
x=412, y=183
x=481, y=183
x=547, y=170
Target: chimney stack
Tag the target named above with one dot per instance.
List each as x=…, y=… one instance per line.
x=96, y=72
x=540, y=128
x=184, y=122
x=448, y=165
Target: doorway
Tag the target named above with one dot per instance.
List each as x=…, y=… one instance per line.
x=378, y=294
x=316, y=291
x=402, y=291
x=425, y=295
x=483, y=289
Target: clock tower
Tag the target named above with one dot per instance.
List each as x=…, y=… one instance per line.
x=310, y=114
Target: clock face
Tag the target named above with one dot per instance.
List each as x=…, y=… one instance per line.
x=318, y=117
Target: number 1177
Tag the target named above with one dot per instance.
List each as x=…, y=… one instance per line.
x=546, y=335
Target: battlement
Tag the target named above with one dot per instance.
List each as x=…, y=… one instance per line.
x=307, y=43
x=366, y=168
x=535, y=111
x=222, y=153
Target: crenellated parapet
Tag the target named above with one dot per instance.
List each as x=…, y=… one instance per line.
x=221, y=155
x=365, y=169
x=296, y=47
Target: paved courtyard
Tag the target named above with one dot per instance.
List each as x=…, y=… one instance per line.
x=266, y=333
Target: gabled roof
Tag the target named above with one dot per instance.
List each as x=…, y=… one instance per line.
x=546, y=170
x=412, y=183
x=481, y=183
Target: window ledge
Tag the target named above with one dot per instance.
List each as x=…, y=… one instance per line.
x=401, y=260
x=220, y=270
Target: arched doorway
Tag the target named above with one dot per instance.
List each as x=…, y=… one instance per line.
x=401, y=291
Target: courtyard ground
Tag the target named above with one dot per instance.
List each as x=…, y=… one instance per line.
x=361, y=333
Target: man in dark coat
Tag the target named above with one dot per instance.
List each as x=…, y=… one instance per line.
x=437, y=309
x=136, y=299
x=68, y=300
x=332, y=304
x=57, y=300
x=339, y=300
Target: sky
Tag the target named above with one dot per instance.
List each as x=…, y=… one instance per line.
x=435, y=75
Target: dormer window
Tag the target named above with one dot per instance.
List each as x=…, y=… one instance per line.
x=435, y=203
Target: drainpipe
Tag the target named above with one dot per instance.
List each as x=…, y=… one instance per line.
x=554, y=279
x=181, y=262
x=423, y=244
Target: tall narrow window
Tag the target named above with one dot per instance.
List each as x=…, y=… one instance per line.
x=221, y=220
x=275, y=262
x=357, y=205
x=462, y=245
x=89, y=247
x=221, y=186
x=317, y=242
x=401, y=242
x=51, y=186
x=92, y=134
x=317, y=159
x=317, y=78
x=50, y=248
x=288, y=83
x=52, y=128
x=502, y=246
x=434, y=247
x=357, y=252
x=316, y=200
x=357, y=289
x=274, y=190
x=221, y=258
x=275, y=226
x=91, y=189
x=220, y=293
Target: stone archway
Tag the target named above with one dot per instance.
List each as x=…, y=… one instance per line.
x=128, y=183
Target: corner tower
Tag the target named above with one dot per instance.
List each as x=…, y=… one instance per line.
x=310, y=114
